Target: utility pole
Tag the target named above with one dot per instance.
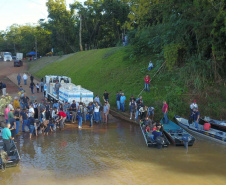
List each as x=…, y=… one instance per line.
x=80, y=34
x=36, y=49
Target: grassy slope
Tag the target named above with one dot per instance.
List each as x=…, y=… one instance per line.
x=111, y=69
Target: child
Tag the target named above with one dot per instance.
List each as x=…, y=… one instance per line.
x=37, y=86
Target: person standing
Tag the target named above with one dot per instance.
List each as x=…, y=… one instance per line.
x=32, y=85
x=79, y=114
x=32, y=78
x=13, y=128
x=106, y=112
x=118, y=100
x=97, y=99
x=165, y=111
x=31, y=111
x=37, y=87
x=18, y=79
x=67, y=110
x=32, y=126
x=35, y=105
x=96, y=112
x=4, y=89
x=57, y=88
x=24, y=117
x=197, y=117
x=6, y=136
x=91, y=112
x=106, y=96
x=25, y=101
x=147, y=81
x=122, y=102
x=42, y=86
x=74, y=111
x=25, y=79
x=133, y=107
x=16, y=102
x=17, y=117
x=6, y=113
x=194, y=105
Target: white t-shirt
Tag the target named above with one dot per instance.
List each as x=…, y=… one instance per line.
x=25, y=77
x=96, y=109
x=193, y=105
x=31, y=112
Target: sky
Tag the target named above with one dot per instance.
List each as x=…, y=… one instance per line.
x=23, y=11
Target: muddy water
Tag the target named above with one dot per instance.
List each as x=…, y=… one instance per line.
x=114, y=154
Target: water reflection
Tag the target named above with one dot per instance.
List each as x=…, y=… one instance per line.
x=113, y=154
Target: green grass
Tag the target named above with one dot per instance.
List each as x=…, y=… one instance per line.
x=111, y=69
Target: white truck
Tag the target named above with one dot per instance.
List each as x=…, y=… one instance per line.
x=19, y=56
x=67, y=92
x=7, y=56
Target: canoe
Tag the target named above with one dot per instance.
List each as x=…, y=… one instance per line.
x=177, y=135
x=162, y=142
x=8, y=161
x=215, y=124
x=212, y=134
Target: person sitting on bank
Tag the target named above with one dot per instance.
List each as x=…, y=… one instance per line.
x=6, y=136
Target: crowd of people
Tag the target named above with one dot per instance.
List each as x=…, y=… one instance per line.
x=44, y=116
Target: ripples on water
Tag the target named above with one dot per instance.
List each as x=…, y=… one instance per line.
x=114, y=154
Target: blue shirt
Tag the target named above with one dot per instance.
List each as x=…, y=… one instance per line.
x=6, y=133
x=196, y=115
x=122, y=99
x=156, y=134
x=24, y=115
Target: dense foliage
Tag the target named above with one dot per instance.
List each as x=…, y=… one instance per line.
x=184, y=33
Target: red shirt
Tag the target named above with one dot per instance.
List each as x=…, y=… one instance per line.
x=154, y=128
x=148, y=129
x=165, y=106
x=147, y=79
x=62, y=114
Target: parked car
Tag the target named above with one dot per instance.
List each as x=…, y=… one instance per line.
x=14, y=57
x=18, y=63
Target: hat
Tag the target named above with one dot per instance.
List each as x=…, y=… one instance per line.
x=7, y=94
x=11, y=109
x=3, y=96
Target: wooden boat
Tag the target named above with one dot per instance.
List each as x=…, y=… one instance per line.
x=213, y=134
x=215, y=124
x=162, y=142
x=11, y=160
x=177, y=135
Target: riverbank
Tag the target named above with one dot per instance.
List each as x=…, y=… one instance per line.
x=112, y=69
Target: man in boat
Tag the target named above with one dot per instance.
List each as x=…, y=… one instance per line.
x=197, y=117
x=156, y=133
x=193, y=106
x=6, y=136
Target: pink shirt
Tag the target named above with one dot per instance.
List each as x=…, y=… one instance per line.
x=165, y=106
x=6, y=112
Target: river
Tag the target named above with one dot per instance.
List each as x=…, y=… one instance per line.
x=113, y=154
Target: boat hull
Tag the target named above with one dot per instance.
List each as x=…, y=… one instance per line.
x=151, y=143
x=202, y=133
x=177, y=134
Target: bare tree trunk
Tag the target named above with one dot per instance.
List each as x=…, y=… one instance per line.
x=80, y=34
